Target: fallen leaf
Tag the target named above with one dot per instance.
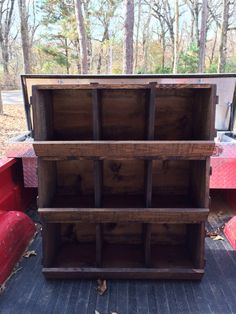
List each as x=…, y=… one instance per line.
x=29, y=254
x=217, y=238
x=2, y=288
x=211, y=234
x=102, y=286
x=15, y=270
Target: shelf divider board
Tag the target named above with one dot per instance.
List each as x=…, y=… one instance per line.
x=98, y=169
x=150, y=124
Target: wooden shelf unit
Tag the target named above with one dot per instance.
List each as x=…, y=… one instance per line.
x=124, y=178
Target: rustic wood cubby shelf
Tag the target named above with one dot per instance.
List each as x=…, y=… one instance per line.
x=124, y=178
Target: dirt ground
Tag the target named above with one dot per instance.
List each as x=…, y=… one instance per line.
x=12, y=123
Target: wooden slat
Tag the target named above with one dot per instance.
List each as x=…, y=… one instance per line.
x=116, y=215
x=148, y=183
x=125, y=149
x=148, y=165
x=42, y=114
x=98, y=172
x=151, y=112
x=98, y=181
x=50, y=242
x=121, y=86
x=96, y=113
x=196, y=243
x=123, y=273
x=147, y=244
x=99, y=245
x=47, y=182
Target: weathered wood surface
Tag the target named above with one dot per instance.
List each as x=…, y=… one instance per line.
x=123, y=273
x=124, y=149
x=115, y=215
x=121, y=86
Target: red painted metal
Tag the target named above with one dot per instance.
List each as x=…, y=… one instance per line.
x=16, y=231
x=25, y=151
x=13, y=194
x=230, y=232
x=223, y=173
x=224, y=167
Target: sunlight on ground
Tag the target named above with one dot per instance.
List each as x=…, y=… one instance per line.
x=12, y=123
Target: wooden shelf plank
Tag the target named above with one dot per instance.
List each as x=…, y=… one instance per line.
x=124, y=149
x=112, y=215
x=121, y=86
x=123, y=273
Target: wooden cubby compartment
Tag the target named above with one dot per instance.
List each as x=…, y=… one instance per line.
x=180, y=183
x=177, y=246
x=181, y=113
x=123, y=184
x=66, y=183
x=69, y=245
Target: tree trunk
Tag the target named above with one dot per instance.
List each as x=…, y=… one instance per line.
x=82, y=37
x=196, y=15
x=192, y=27
x=105, y=37
x=88, y=34
x=110, y=58
x=213, y=49
x=1, y=105
x=176, y=39
x=223, y=37
x=137, y=36
x=146, y=39
x=67, y=56
x=6, y=14
x=5, y=57
x=25, y=35
x=163, y=41
x=203, y=35
x=128, y=43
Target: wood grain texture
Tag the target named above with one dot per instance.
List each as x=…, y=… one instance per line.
x=43, y=114
x=121, y=86
x=123, y=273
x=124, y=149
x=73, y=114
x=115, y=215
x=123, y=114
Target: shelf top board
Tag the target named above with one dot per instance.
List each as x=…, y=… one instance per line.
x=122, y=86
